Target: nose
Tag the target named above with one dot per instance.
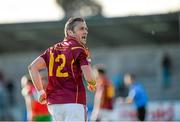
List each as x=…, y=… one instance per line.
x=86, y=31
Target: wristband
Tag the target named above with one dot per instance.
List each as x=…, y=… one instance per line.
x=92, y=82
x=41, y=92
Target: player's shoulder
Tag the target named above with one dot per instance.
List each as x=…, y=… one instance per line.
x=73, y=43
x=59, y=46
x=49, y=49
x=78, y=46
x=81, y=48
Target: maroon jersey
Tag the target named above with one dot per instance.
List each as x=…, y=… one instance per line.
x=64, y=61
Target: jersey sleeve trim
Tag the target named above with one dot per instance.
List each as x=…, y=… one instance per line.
x=85, y=50
x=73, y=48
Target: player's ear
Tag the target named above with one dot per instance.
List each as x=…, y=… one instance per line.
x=70, y=32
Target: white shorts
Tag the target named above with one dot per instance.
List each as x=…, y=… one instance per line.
x=68, y=112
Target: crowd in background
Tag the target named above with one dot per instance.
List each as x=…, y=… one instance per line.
x=8, y=101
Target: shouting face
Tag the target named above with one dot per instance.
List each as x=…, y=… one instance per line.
x=80, y=32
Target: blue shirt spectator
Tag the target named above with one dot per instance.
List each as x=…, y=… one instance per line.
x=138, y=94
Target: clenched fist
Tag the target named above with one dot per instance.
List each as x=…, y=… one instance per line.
x=42, y=97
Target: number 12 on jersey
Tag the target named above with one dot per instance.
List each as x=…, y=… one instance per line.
x=59, y=69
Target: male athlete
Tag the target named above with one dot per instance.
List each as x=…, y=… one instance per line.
x=65, y=62
x=103, y=99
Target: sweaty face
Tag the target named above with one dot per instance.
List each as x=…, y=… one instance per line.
x=81, y=31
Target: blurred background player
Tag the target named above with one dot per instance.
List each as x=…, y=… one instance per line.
x=166, y=66
x=103, y=101
x=35, y=111
x=65, y=61
x=137, y=95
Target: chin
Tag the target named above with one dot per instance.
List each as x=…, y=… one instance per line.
x=83, y=41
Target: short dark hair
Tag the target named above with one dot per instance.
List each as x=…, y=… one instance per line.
x=71, y=23
x=101, y=71
x=100, y=68
x=133, y=76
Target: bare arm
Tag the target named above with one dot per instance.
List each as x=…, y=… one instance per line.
x=29, y=107
x=98, y=99
x=97, y=104
x=128, y=100
x=34, y=68
x=87, y=72
x=27, y=98
x=89, y=77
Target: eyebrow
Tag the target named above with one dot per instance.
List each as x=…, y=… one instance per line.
x=84, y=27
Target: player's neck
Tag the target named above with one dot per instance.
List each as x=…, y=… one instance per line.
x=75, y=39
x=70, y=38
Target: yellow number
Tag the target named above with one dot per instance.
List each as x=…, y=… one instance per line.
x=58, y=71
x=51, y=64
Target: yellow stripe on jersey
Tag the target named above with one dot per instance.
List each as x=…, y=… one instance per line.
x=73, y=48
x=86, y=51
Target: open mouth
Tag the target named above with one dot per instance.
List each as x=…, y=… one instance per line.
x=83, y=37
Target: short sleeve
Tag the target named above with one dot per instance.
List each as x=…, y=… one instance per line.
x=132, y=93
x=80, y=55
x=44, y=55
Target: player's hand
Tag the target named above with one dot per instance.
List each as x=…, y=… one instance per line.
x=91, y=88
x=42, y=97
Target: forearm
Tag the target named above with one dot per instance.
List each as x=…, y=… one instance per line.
x=88, y=73
x=36, y=78
x=34, y=69
x=89, y=77
x=98, y=99
x=128, y=100
x=29, y=107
